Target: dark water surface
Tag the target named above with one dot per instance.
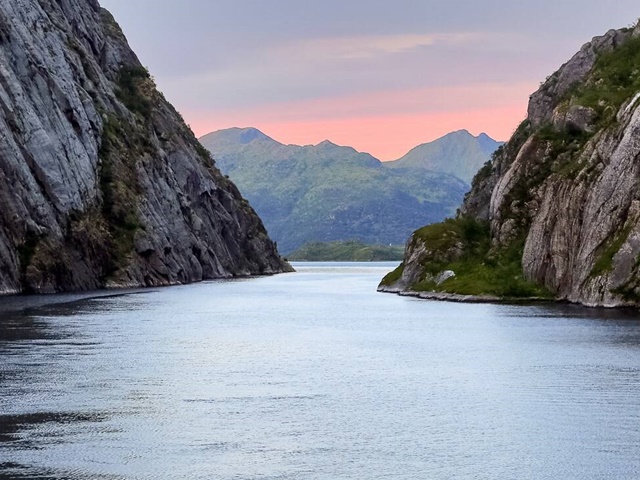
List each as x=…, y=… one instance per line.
x=314, y=375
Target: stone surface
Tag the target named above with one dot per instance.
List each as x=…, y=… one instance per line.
x=573, y=220
x=101, y=182
x=543, y=102
x=567, y=185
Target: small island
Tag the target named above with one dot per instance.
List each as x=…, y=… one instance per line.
x=346, y=251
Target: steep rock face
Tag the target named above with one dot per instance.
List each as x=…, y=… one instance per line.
x=101, y=182
x=566, y=186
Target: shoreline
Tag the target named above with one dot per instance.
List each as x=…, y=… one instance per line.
x=491, y=299
x=458, y=298
x=443, y=296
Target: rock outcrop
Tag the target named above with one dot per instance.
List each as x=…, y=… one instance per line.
x=101, y=182
x=564, y=191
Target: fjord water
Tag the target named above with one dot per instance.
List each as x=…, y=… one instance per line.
x=314, y=375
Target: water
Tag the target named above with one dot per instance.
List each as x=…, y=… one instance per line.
x=314, y=375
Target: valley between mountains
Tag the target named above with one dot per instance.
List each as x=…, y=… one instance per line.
x=327, y=192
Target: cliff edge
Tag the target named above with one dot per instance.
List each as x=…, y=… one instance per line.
x=556, y=214
x=101, y=182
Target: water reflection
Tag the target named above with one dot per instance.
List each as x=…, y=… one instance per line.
x=312, y=376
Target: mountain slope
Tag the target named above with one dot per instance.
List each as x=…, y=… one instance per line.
x=101, y=182
x=560, y=206
x=327, y=192
x=457, y=153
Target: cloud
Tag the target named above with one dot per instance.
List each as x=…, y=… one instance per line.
x=455, y=98
x=371, y=46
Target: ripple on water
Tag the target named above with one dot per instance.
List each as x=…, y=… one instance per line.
x=314, y=375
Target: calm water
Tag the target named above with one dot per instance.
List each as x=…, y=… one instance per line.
x=314, y=375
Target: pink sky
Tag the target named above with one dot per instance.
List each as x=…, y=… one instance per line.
x=386, y=125
x=382, y=77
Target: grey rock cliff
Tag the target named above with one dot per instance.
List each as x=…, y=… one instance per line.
x=576, y=201
x=101, y=182
x=566, y=185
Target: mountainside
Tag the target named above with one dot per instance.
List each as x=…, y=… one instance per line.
x=101, y=182
x=457, y=153
x=327, y=192
x=558, y=211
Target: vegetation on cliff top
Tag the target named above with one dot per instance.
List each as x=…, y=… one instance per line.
x=614, y=79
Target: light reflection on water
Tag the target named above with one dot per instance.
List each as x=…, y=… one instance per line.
x=314, y=375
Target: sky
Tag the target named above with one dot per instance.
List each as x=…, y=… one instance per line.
x=381, y=76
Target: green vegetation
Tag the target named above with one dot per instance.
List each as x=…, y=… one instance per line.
x=614, y=79
x=604, y=263
x=485, y=172
x=498, y=273
x=205, y=154
x=327, y=193
x=346, y=251
x=565, y=147
x=118, y=183
x=130, y=90
x=393, y=277
x=463, y=246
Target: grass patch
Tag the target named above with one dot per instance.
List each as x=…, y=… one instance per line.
x=463, y=245
x=604, y=263
x=498, y=274
x=118, y=184
x=393, y=277
x=614, y=79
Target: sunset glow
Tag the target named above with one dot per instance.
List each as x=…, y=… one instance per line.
x=381, y=77
x=384, y=137
x=384, y=125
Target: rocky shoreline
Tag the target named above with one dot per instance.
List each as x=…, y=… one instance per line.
x=458, y=298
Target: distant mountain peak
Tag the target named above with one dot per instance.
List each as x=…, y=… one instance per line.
x=458, y=153
x=237, y=135
x=251, y=134
x=327, y=143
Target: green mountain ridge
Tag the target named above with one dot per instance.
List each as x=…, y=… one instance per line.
x=328, y=192
x=458, y=153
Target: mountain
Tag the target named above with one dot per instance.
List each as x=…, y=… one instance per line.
x=557, y=213
x=457, y=153
x=101, y=182
x=327, y=192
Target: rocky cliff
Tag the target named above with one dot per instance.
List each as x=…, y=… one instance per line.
x=101, y=182
x=560, y=204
